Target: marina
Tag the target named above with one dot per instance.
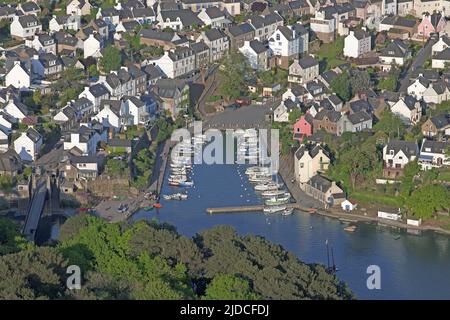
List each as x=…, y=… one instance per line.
x=400, y=254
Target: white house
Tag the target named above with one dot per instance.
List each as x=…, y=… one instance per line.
x=213, y=17
x=357, y=43
x=6, y=122
x=348, y=205
x=28, y=144
x=442, y=44
x=310, y=160
x=16, y=109
x=42, y=43
x=408, y=109
x=137, y=109
x=18, y=75
x=441, y=60
x=67, y=22
x=25, y=26
x=395, y=53
x=111, y=114
x=418, y=87
x=257, y=54
x=78, y=7
x=95, y=94
x=93, y=45
x=84, y=138
x=217, y=41
x=176, y=62
x=433, y=154
x=396, y=154
x=289, y=41
x=437, y=92
x=282, y=111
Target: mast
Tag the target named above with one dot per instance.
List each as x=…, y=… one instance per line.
x=328, y=255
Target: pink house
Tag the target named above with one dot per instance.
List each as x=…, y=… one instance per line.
x=431, y=23
x=303, y=127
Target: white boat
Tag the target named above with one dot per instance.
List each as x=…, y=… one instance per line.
x=266, y=187
x=274, y=209
x=252, y=170
x=277, y=200
x=260, y=180
x=186, y=183
x=272, y=193
x=287, y=211
x=175, y=196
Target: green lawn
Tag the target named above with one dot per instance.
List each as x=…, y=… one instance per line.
x=331, y=53
x=444, y=175
x=376, y=198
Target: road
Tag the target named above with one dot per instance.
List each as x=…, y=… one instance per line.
x=423, y=54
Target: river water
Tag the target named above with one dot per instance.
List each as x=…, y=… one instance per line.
x=412, y=266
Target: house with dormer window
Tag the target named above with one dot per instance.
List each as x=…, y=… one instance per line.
x=396, y=155
x=26, y=26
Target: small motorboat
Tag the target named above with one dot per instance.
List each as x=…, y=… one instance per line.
x=287, y=211
x=174, y=183
x=186, y=183
x=157, y=205
x=148, y=208
x=350, y=228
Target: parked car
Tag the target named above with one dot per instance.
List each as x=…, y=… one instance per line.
x=244, y=101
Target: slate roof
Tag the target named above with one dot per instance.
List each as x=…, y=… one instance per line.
x=332, y=115
x=307, y=62
x=258, y=46
x=10, y=161
x=168, y=88
x=312, y=149
x=98, y=90
x=214, y=34
x=358, y=117
x=187, y=17
x=238, y=30
x=408, y=148
x=443, y=55
x=320, y=183
x=441, y=121
x=157, y=35
x=29, y=21
x=439, y=147
x=396, y=48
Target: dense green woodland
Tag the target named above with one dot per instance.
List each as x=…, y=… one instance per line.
x=152, y=261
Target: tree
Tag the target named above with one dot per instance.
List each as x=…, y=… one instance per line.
x=228, y=287
x=295, y=114
x=409, y=172
x=36, y=273
x=10, y=239
x=111, y=59
x=232, y=73
x=93, y=71
x=390, y=124
x=427, y=200
x=359, y=81
x=341, y=86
